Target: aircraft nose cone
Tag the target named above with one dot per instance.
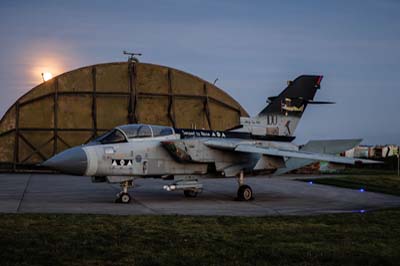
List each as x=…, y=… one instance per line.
x=71, y=161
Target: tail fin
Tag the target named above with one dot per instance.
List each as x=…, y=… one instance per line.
x=294, y=99
x=283, y=112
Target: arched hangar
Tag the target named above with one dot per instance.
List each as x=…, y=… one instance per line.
x=76, y=106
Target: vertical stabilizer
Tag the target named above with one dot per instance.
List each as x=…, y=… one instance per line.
x=283, y=112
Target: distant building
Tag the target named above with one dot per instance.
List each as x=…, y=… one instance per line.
x=377, y=152
x=372, y=152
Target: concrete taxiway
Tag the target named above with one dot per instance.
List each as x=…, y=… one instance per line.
x=46, y=193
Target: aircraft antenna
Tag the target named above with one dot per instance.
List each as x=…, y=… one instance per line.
x=132, y=56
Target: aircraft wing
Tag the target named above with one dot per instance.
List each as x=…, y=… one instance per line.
x=275, y=152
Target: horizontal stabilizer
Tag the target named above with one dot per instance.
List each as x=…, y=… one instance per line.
x=319, y=102
x=309, y=101
x=303, y=155
x=334, y=146
x=319, y=146
x=271, y=98
x=295, y=154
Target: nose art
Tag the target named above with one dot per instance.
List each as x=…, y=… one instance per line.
x=71, y=161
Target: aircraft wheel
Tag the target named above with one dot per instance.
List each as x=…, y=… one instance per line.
x=125, y=198
x=245, y=193
x=190, y=193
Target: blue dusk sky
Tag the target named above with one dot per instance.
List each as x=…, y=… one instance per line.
x=253, y=47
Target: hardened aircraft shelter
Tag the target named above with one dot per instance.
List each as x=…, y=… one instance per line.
x=76, y=106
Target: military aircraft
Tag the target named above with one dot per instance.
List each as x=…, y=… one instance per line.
x=259, y=144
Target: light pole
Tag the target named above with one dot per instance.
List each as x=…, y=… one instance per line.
x=46, y=76
x=398, y=161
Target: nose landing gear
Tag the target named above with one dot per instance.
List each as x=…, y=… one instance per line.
x=123, y=196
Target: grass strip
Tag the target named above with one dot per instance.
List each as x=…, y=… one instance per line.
x=389, y=184
x=371, y=238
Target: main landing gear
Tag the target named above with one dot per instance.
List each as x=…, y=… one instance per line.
x=244, y=193
x=123, y=196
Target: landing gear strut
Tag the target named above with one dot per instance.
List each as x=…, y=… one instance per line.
x=244, y=193
x=123, y=196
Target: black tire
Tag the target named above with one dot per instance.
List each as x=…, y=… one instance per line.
x=190, y=193
x=125, y=198
x=245, y=193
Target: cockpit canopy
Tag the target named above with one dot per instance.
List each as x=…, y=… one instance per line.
x=134, y=131
x=145, y=131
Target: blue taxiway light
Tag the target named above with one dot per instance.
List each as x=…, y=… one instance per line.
x=310, y=182
x=361, y=190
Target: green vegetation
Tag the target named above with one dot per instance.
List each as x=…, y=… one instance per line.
x=343, y=239
x=384, y=183
x=366, y=171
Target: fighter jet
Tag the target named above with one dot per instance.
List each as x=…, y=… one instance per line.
x=259, y=144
